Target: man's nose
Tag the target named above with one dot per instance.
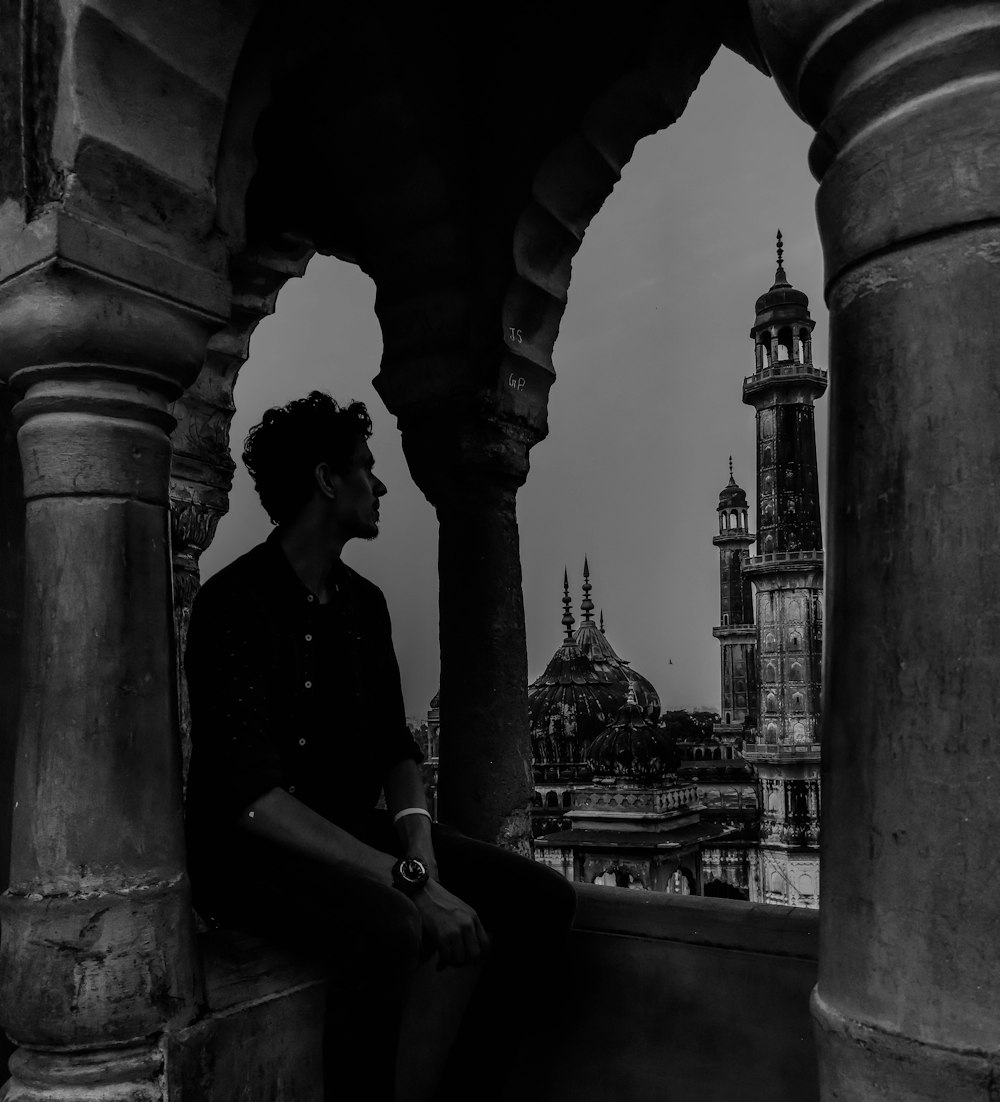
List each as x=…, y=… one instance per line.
x=380, y=488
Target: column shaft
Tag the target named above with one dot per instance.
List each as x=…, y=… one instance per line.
x=97, y=952
x=485, y=744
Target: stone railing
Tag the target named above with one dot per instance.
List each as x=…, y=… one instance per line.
x=677, y=997
x=806, y=557
x=785, y=371
x=779, y=751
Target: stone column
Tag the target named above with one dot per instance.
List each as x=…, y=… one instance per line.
x=97, y=954
x=905, y=98
x=471, y=471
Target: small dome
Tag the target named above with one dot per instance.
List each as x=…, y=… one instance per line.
x=783, y=302
x=733, y=496
x=633, y=746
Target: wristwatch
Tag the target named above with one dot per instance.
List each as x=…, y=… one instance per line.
x=409, y=874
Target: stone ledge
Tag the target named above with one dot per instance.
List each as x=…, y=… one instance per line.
x=718, y=923
x=242, y=968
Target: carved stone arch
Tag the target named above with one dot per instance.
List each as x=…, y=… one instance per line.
x=575, y=178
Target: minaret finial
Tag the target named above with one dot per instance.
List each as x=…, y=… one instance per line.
x=602, y=621
x=586, y=605
x=779, y=275
x=731, y=479
x=567, y=614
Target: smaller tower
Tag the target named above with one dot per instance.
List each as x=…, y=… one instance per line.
x=736, y=632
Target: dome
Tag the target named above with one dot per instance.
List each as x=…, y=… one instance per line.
x=607, y=665
x=633, y=746
x=733, y=496
x=783, y=302
x=582, y=688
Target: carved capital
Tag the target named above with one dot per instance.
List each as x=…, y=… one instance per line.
x=457, y=452
x=898, y=92
x=62, y=319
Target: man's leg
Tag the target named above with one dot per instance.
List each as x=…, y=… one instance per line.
x=527, y=910
x=371, y=935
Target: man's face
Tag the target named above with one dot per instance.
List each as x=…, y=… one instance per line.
x=357, y=495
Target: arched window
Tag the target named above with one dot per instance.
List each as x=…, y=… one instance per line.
x=796, y=671
x=771, y=703
x=795, y=640
x=785, y=344
x=729, y=717
x=566, y=799
x=735, y=518
x=551, y=799
x=771, y=734
x=777, y=884
x=799, y=732
x=769, y=673
x=768, y=545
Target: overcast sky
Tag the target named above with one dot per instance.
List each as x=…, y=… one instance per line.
x=644, y=413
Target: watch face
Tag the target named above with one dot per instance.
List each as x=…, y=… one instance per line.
x=413, y=870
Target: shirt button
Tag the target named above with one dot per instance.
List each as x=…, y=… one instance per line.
x=309, y=638
x=291, y=789
x=302, y=742
x=309, y=684
x=310, y=598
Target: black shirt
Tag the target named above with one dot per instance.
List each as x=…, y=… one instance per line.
x=289, y=693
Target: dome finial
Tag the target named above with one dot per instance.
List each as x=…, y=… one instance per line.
x=602, y=621
x=732, y=481
x=586, y=605
x=567, y=614
x=779, y=275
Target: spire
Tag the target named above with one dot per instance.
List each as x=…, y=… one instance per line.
x=586, y=605
x=780, y=279
x=567, y=615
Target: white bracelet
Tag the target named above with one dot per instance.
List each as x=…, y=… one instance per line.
x=411, y=811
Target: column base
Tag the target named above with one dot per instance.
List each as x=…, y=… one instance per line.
x=132, y=1074
x=860, y=1062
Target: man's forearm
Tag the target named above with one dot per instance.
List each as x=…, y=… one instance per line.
x=282, y=819
x=404, y=788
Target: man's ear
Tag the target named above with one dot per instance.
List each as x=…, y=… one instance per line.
x=326, y=480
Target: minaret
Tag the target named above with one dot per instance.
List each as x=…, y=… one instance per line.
x=787, y=573
x=736, y=633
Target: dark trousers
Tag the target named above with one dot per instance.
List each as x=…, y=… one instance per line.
x=372, y=936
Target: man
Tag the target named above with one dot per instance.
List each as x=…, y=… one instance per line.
x=297, y=727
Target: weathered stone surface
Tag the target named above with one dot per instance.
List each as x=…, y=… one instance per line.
x=909, y=207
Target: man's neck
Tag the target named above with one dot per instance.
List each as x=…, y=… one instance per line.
x=313, y=552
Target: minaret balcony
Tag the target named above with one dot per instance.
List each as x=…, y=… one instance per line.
x=781, y=753
x=736, y=633
x=786, y=374
x=778, y=560
x=734, y=536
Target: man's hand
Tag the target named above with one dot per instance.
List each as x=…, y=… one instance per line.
x=453, y=927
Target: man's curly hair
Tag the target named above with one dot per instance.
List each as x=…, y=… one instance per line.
x=283, y=451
